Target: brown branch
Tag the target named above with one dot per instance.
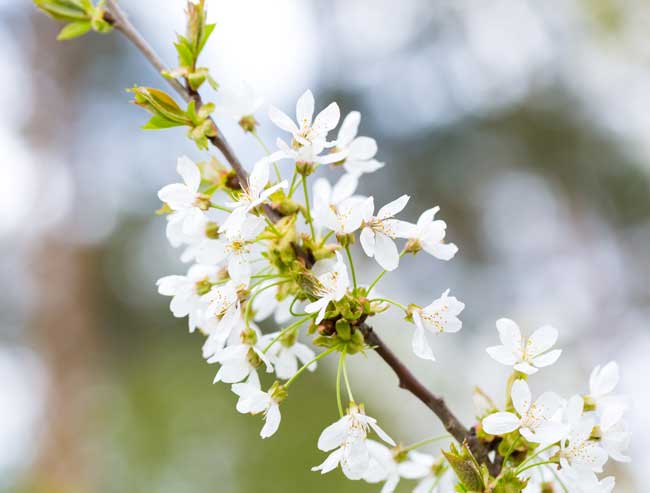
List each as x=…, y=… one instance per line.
x=408, y=381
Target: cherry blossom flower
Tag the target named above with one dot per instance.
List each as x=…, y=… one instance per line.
x=345, y=217
x=236, y=246
x=308, y=130
x=526, y=356
x=333, y=282
x=428, y=234
x=533, y=419
x=187, y=292
x=360, y=151
x=328, y=197
x=254, y=194
x=382, y=466
x=379, y=231
x=239, y=361
x=347, y=438
x=184, y=198
x=310, y=154
x=252, y=400
x=287, y=353
x=438, y=317
x=579, y=452
x=239, y=103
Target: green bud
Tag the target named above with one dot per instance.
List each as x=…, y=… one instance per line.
x=472, y=476
x=203, y=286
x=278, y=392
x=508, y=482
x=343, y=329
x=249, y=337
x=248, y=123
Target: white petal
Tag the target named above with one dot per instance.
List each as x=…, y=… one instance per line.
x=344, y=188
x=604, y=380
x=367, y=239
x=521, y=398
x=330, y=463
x=189, y=172
x=509, y=334
x=282, y=120
x=419, y=343
x=547, y=359
x=381, y=433
x=386, y=252
x=542, y=340
x=500, y=423
x=272, y=421
x=305, y=109
x=349, y=128
x=328, y=118
x=334, y=435
x=525, y=367
x=502, y=354
x=193, y=222
x=363, y=148
x=259, y=177
x=177, y=196
x=394, y=207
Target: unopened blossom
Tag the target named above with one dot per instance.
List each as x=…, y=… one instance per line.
x=287, y=353
x=533, y=419
x=378, y=233
x=525, y=355
x=239, y=361
x=254, y=193
x=252, y=400
x=332, y=284
x=184, y=198
x=360, y=151
x=438, y=317
x=188, y=292
x=327, y=197
x=239, y=102
x=347, y=438
x=308, y=130
x=236, y=246
x=428, y=234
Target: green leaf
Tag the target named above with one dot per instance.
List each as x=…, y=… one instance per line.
x=159, y=103
x=158, y=122
x=184, y=50
x=62, y=10
x=205, y=34
x=74, y=30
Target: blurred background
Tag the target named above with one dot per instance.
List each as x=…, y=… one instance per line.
x=527, y=122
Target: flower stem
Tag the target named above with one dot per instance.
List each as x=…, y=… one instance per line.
x=519, y=471
x=345, y=377
x=354, y=274
x=249, y=303
x=293, y=183
x=536, y=455
x=338, y=384
x=308, y=217
x=422, y=443
x=268, y=152
x=398, y=305
x=284, y=331
x=220, y=207
x=381, y=274
x=309, y=363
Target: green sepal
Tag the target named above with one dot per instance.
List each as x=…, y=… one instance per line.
x=508, y=482
x=74, y=30
x=473, y=477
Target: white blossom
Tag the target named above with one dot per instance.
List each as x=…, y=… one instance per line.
x=439, y=316
x=286, y=354
x=238, y=102
x=308, y=130
x=328, y=197
x=382, y=466
x=239, y=361
x=360, y=151
x=347, y=438
x=236, y=246
x=333, y=282
x=379, y=231
x=184, y=198
x=428, y=234
x=533, y=419
x=310, y=153
x=187, y=292
x=525, y=356
x=252, y=400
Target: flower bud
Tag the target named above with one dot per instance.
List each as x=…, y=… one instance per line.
x=248, y=123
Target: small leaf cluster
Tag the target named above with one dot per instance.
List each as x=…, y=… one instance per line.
x=81, y=16
x=189, y=47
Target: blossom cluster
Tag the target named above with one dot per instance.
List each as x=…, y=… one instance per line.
x=270, y=245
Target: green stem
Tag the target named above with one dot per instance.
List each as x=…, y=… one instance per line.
x=284, y=331
x=345, y=377
x=511, y=449
x=325, y=238
x=309, y=363
x=292, y=187
x=557, y=477
x=398, y=305
x=537, y=454
x=291, y=309
x=382, y=273
x=422, y=443
x=520, y=470
x=308, y=216
x=220, y=207
x=354, y=274
x=338, y=384
x=249, y=303
x=268, y=152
